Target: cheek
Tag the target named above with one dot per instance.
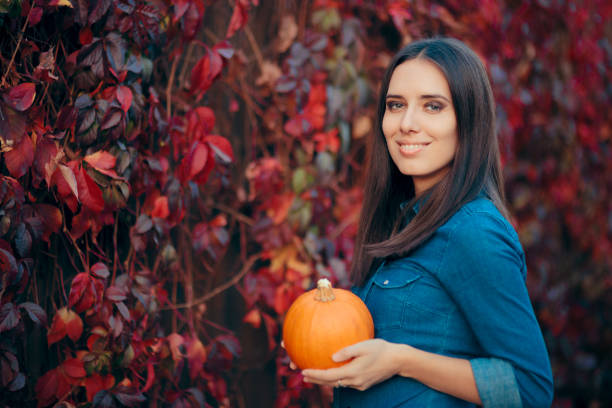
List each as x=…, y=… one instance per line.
x=387, y=126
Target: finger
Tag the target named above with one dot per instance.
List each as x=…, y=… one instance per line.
x=348, y=352
x=292, y=365
x=282, y=343
x=330, y=375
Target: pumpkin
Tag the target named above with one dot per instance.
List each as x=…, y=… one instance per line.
x=322, y=321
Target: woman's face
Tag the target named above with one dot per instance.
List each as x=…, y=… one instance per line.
x=419, y=124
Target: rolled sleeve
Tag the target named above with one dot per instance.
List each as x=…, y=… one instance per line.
x=496, y=384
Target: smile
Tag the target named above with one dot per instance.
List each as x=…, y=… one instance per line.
x=412, y=148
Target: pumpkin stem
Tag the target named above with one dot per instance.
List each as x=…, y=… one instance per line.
x=325, y=292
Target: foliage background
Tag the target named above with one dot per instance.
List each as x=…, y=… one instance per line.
x=175, y=173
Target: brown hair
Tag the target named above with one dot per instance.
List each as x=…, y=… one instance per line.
x=476, y=166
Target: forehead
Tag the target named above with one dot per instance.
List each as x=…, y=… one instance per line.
x=418, y=76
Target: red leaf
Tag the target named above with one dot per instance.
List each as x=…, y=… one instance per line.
x=200, y=122
x=271, y=329
x=196, y=356
x=65, y=181
x=51, y=218
x=160, y=208
x=180, y=7
x=81, y=223
x=219, y=221
x=35, y=15
x=206, y=70
x=101, y=160
x=65, y=322
x=238, y=20
x=278, y=206
x=74, y=325
x=194, y=162
x=73, y=367
x=46, y=158
x=93, y=385
x=82, y=292
x=124, y=96
x=90, y=194
x=175, y=341
x=298, y=126
x=67, y=117
x=253, y=318
x=192, y=19
x=100, y=270
x=21, y=97
x=46, y=386
x=221, y=146
x=12, y=125
x=327, y=141
x=85, y=36
x=96, y=383
x=20, y=158
x=150, y=377
x=57, y=331
x=283, y=298
x=8, y=266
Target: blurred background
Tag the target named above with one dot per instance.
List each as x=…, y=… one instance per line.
x=176, y=173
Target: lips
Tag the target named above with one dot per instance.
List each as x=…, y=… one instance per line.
x=411, y=148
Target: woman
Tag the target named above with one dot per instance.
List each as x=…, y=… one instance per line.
x=436, y=261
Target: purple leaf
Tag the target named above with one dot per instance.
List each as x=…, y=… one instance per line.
x=18, y=383
x=111, y=119
x=36, y=313
x=9, y=317
x=99, y=10
x=23, y=241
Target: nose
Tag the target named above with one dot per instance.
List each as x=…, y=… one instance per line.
x=409, y=122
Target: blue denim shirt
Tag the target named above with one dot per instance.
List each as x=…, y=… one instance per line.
x=461, y=294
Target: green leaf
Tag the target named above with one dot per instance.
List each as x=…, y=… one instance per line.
x=301, y=180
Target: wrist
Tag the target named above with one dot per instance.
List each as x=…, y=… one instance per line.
x=405, y=359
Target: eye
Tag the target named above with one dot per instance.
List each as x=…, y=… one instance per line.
x=433, y=106
x=394, y=105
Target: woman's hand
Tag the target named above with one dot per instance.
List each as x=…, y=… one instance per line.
x=373, y=361
x=291, y=363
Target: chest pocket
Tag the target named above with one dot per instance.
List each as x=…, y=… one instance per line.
x=389, y=295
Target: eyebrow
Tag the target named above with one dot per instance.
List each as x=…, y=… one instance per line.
x=428, y=96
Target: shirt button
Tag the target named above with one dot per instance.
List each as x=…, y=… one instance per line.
x=386, y=282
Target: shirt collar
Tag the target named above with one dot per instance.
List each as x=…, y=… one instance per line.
x=420, y=201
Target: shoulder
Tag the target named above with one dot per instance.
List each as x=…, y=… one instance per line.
x=479, y=215
x=478, y=238
x=480, y=226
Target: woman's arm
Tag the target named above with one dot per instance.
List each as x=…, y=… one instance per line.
x=449, y=375
x=376, y=360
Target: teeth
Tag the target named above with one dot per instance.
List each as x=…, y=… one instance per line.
x=411, y=147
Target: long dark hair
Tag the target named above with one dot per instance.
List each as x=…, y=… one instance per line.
x=476, y=166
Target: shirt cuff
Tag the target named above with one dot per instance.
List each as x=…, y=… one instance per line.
x=496, y=383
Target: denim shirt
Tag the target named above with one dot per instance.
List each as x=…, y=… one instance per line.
x=460, y=294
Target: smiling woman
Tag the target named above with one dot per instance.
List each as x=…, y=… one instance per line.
x=436, y=261
x=419, y=123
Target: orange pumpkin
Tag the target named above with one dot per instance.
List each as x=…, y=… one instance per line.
x=322, y=321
